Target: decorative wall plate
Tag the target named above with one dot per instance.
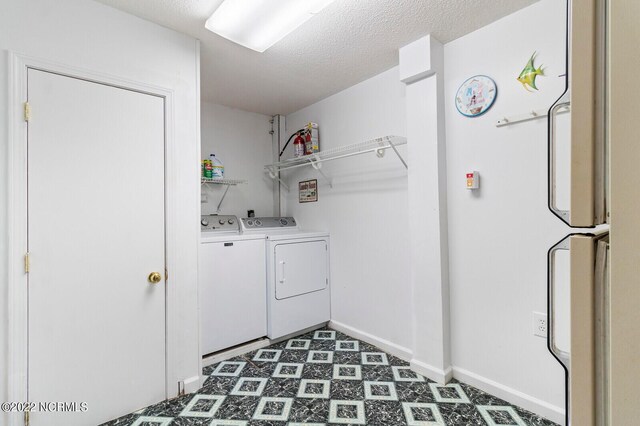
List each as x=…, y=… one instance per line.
x=476, y=96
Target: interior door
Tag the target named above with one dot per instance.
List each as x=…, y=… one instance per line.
x=95, y=233
x=301, y=268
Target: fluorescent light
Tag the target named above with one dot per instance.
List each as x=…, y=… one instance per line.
x=259, y=24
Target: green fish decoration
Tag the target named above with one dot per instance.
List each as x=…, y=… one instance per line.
x=528, y=75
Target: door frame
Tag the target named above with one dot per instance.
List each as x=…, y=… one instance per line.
x=19, y=65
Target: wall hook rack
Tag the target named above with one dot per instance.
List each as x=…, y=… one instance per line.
x=532, y=115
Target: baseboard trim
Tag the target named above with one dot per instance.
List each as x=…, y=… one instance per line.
x=236, y=351
x=394, y=349
x=515, y=397
x=438, y=375
x=253, y=346
x=192, y=384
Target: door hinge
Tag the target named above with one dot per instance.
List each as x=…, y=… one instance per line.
x=27, y=263
x=26, y=418
x=27, y=112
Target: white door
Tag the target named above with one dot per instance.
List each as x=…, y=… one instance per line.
x=301, y=268
x=95, y=232
x=233, y=293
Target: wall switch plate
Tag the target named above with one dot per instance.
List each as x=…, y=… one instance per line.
x=540, y=324
x=203, y=198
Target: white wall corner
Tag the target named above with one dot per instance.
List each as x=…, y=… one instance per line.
x=421, y=69
x=394, y=349
x=438, y=375
x=420, y=59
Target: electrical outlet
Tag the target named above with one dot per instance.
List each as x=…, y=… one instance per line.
x=540, y=324
x=203, y=198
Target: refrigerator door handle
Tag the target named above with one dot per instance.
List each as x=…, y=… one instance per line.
x=562, y=103
x=560, y=355
x=580, y=360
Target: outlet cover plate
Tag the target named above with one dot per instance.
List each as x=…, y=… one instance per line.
x=540, y=324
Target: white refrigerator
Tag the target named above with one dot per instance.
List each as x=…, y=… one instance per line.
x=578, y=277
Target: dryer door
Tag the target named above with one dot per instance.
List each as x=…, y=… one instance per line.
x=301, y=267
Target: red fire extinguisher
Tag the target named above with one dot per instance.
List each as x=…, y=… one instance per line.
x=298, y=146
x=308, y=144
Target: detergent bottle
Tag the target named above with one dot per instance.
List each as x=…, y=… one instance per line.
x=207, y=169
x=217, y=167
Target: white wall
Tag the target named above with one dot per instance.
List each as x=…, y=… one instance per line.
x=365, y=211
x=242, y=141
x=88, y=35
x=500, y=234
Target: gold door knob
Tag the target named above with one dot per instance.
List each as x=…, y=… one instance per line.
x=155, y=277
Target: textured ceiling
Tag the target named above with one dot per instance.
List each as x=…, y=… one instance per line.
x=346, y=43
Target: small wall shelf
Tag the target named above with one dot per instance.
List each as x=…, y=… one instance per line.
x=222, y=181
x=378, y=145
x=227, y=182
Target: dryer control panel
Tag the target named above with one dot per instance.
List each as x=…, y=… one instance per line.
x=266, y=223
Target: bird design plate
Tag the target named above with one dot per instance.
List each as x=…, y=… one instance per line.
x=476, y=96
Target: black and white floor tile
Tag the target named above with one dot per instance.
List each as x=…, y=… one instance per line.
x=327, y=378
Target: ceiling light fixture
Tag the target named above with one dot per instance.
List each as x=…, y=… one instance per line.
x=259, y=24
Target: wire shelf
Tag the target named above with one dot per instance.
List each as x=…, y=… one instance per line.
x=222, y=181
x=378, y=145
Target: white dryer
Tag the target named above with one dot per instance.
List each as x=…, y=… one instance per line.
x=298, y=279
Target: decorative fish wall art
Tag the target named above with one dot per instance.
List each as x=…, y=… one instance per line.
x=528, y=75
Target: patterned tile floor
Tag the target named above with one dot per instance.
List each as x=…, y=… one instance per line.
x=326, y=378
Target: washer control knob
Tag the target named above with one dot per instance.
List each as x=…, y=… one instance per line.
x=204, y=222
x=231, y=221
x=258, y=223
x=284, y=222
x=221, y=221
x=249, y=223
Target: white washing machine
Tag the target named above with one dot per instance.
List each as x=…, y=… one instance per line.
x=298, y=280
x=232, y=282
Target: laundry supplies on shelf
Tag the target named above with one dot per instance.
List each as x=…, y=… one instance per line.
x=217, y=168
